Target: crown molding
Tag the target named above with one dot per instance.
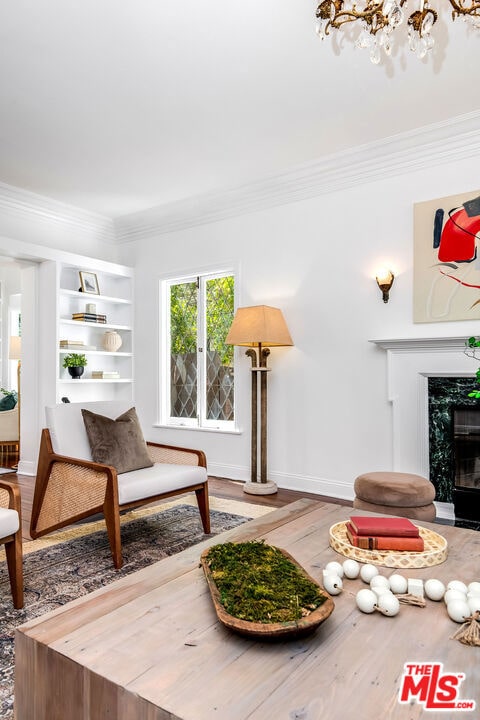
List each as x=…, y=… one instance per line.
x=25, y=206
x=442, y=142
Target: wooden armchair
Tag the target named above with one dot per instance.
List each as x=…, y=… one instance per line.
x=70, y=486
x=11, y=537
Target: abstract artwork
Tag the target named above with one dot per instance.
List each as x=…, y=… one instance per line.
x=446, y=267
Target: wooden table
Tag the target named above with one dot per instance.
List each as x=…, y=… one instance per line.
x=149, y=647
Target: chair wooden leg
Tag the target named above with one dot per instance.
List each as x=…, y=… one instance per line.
x=13, y=552
x=112, y=521
x=203, y=506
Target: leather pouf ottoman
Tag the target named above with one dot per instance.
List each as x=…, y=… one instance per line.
x=395, y=493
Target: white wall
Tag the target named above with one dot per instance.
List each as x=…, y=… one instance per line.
x=329, y=417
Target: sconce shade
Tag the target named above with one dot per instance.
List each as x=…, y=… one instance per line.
x=259, y=325
x=385, y=280
x=15, y=348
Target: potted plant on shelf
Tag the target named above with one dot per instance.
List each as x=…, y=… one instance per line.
x=75, y=364
x=472, y=347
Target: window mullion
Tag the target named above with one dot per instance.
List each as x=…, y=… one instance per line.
x=201, y=350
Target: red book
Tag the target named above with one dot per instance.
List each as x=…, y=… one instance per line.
x=391, y=526
x=384, y=542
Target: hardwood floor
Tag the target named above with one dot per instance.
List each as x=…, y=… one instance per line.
x=219, y=487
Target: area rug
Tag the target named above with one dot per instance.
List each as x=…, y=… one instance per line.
x=59, y=570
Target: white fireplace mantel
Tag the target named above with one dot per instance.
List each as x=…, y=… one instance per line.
x=410, y=362
x=437, y=344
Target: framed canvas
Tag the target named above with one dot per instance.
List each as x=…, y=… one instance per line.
x=446, y=272
x=89, y=282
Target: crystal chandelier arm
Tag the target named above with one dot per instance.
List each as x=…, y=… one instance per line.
x=459, y=8
x=336, y=14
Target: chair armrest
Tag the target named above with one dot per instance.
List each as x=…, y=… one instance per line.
x=9, y=495
x=176, y=455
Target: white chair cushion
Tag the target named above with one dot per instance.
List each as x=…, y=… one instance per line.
x=161, y=478
x=9, y=425
x=67, y=430
x=9, y=522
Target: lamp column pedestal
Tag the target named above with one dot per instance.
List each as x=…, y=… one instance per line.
x=260, y=486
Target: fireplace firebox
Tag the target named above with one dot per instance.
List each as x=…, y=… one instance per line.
x=466, y=445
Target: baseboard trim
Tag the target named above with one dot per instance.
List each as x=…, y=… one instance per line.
x=299, y=483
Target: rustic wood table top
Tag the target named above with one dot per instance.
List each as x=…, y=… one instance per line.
x=149, y=646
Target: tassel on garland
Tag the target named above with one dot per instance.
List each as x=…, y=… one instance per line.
x=469, y=633
x=409, y=599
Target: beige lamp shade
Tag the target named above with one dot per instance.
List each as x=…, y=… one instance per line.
x=259, y=325
x=15, y=348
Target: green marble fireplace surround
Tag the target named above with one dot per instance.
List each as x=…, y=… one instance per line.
x=443, y=394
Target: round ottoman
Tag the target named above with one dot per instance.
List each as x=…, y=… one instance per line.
x=395, y=493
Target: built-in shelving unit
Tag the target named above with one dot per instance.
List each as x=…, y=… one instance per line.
x=114, y=301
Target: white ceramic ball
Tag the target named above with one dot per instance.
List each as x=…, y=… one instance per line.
x=458, y=610
x=333, y=584
x=473, y=603
x=388, y=604
x=380, y=580
x=335, y=568
x=367, y=572
x=366, y=600
x=351, y=569
x=474, y=588
x=453, y=594
x=434, y=589
x=398, y=583
x=457, y=585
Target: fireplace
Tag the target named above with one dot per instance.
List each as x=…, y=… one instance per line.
x=412, y=365
x=466, y=443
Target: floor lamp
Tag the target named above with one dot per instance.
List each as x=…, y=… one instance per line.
x=259, y=327
x=15, y=353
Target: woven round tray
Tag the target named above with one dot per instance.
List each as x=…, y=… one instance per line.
x=435, y=551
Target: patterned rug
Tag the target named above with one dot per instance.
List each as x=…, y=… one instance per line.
x=64, y=569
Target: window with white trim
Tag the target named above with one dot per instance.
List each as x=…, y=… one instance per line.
x=198, y=373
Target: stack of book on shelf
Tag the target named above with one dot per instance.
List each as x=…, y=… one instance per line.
x=89, y=317
x=75, y=345
x=105, y=374
x=384, y=533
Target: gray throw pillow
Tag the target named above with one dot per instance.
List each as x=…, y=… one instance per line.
x=7, y=402
x=119, y=442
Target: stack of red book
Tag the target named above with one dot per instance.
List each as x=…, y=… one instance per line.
x=384, y=533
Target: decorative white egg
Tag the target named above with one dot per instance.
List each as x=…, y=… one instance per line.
x=454, y=595
x=351, y=569
x=474, y=588
x=457, y=585
x=366, y=600
x=380, y=581
x=333, y=584
x=388, y=604
x=380, y=590
x=398, y=583
x=458, y=610
x=473, y=603
x=434, y=589
x=367, y=572
x=335, y=568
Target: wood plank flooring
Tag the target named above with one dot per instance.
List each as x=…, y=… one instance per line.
x=219, y=487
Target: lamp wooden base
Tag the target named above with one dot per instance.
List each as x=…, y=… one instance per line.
x=260, y=488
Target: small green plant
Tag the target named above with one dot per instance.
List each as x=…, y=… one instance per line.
x=9, y=393
x=74, y=360
x=471, y=345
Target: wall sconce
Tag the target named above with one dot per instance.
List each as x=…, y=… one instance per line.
x=385, y=280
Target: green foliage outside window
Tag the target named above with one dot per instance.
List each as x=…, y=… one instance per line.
x=219, y=316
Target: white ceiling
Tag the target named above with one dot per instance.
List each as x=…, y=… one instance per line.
x=116, y=106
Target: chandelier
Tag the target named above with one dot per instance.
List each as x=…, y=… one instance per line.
x=378, y=21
